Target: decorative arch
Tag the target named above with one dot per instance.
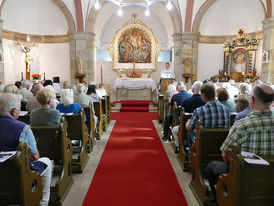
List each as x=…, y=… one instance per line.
x=203, y=9
x=90, y=23
x=60, y=4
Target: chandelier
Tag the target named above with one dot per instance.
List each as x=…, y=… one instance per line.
x=146, y=5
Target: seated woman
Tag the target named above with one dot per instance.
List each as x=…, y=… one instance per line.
x=92, y=93
x=12, y=89
x=223, y=97
x=45, y=115
x=101, y=92
x=66, y=103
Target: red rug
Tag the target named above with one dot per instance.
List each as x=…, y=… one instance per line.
x=134, y=169
x=135, y=106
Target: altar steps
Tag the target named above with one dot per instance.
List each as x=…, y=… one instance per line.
x=134, y=106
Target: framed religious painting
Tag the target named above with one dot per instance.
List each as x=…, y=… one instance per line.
x=134, y=47
x=240, y=57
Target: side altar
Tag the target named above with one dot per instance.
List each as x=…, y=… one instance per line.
x=134, y=89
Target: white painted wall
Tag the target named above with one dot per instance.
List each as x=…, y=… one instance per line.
x=210, y=60
x=33, y=17
x=226, y=17
x=108, y=22
x=71, y=7
x=52, y=59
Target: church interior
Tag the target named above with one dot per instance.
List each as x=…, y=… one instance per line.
x=137, y=50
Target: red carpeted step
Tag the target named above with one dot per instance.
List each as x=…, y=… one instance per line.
x=134, y=168
x=135, y=106
x=134, y=109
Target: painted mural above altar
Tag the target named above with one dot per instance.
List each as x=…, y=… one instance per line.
x=134, y=46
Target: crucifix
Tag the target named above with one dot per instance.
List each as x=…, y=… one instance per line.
x=28, y=59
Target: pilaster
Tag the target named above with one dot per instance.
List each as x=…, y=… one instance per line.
x=190, y=55
x=267, y=73
x=82, y=47
x=177, y=50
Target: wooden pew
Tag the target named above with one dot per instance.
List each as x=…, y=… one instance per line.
x=52, y=142
x=160, y=108
x=18, y=184
x=166, y=110
x=182, y=136
x=105, y=114
x=99, y=113
x=25, y=118
x=246, y=184
x=91, y=126
x=175, y=121
x=77, y=130
x=206, y=148
x=109, y=108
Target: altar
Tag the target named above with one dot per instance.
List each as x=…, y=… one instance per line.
x=134, y=89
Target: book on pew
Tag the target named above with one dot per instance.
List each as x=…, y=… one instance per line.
x=6, y=155
x=67, y=114
x=23, y=113
x=252, y=158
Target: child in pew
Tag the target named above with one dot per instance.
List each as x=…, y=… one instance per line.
x=12, y=131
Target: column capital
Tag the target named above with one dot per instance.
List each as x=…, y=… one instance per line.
x=177, y=36
x=89, y=36
x=268, y=23
x=190, y=36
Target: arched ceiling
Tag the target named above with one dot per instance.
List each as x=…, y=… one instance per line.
x=107, y=21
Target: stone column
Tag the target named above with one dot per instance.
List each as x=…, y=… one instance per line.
x=190, y=56
x=82, y=47
x=177, y=57
x=267, y=73
x=2, y=76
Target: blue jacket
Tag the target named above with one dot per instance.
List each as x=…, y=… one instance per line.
x=179, y=98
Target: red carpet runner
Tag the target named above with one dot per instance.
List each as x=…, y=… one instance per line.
x=134, y=169
x=135, y=106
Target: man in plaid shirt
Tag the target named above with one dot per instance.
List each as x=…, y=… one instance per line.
x=212, y=115
x=254, y=133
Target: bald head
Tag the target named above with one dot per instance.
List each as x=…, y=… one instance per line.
x=37, y=88
x=264, y=95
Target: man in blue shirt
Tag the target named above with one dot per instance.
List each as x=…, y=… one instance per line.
x=179, y=99
x=12, y=131
x=212, y=115
x=242, y=106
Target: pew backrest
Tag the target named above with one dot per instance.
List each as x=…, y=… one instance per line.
x=19, y=184
x=246, y=184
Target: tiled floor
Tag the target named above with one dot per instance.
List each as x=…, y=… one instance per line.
x=82, y=181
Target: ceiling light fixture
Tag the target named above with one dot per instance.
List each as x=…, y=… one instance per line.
x=120, y=12
x=169, y=5
x=145, y=5
x=97, y=5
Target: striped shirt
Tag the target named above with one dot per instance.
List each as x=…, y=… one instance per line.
x=212, y=115
x=255, y=133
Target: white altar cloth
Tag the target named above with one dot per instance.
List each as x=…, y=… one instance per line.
x=134, y=83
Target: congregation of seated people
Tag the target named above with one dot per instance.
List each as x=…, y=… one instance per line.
x=40, y=101
x=213, y=104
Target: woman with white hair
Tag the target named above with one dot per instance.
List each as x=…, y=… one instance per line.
x=171, y=88
x=55, y=101
x=12, y=89
x=66, y=103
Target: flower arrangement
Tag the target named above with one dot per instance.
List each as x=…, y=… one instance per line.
x=250, y=77
x=222, y=77
x=36, y=76
x=134, y=74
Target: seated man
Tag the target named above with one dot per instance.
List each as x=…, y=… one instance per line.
x=189, y=105
x=45, y=115
x=255, y=133
x=242, y=106
x=12, y=131
x=212, y=115
x=26, y=94
x=84, y=99
x=179, y=99
x=33, y=103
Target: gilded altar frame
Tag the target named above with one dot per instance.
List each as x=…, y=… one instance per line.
x=240, y=56
x=151, y=42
